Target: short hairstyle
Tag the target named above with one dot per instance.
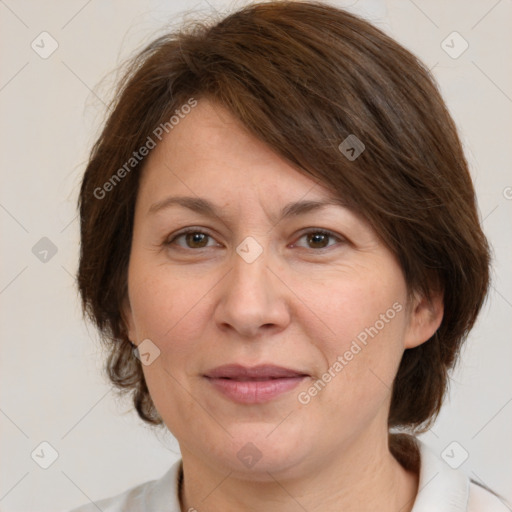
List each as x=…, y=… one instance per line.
x=301, y=77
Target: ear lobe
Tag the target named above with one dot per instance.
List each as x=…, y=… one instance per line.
x=425, y=317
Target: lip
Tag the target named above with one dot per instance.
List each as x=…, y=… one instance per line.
x=256, y=384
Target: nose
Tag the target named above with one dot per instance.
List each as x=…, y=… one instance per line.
x=253, y=299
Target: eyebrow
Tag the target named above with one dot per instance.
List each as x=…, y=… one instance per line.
x=205, y=207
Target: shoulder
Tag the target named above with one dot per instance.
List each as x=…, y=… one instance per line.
x=482, y=499
x=445, y=489
x=128, y=501
x=151, y=495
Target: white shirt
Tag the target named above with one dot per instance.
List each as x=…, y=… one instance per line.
x=441, y=489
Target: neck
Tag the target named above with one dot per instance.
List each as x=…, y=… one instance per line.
x=362, y=477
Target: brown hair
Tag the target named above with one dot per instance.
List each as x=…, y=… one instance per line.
x=302, y=77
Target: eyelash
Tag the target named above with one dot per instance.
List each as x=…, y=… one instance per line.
x=314, y=231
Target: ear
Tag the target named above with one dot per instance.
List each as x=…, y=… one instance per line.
x=425, y=317
x=127, y=316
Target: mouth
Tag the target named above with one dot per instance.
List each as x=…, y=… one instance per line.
x=253, y=385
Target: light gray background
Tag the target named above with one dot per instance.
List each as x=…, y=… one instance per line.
x=50, y=110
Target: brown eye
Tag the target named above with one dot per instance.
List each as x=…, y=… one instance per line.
x=319, y=239
x=194, y=239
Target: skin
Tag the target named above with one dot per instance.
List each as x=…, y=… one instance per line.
x=300, y=305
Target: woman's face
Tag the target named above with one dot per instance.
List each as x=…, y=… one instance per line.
x=261, y=283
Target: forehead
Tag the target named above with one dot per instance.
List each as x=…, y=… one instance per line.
x=210, y=153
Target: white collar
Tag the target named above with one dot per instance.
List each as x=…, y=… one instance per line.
x=441, y=488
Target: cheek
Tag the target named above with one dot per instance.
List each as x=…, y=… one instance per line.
x=362, y=306
x=172, y=310
x=163, y=302
x=363, y=324
x=169, y=310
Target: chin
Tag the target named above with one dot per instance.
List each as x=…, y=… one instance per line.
x=253, y=452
